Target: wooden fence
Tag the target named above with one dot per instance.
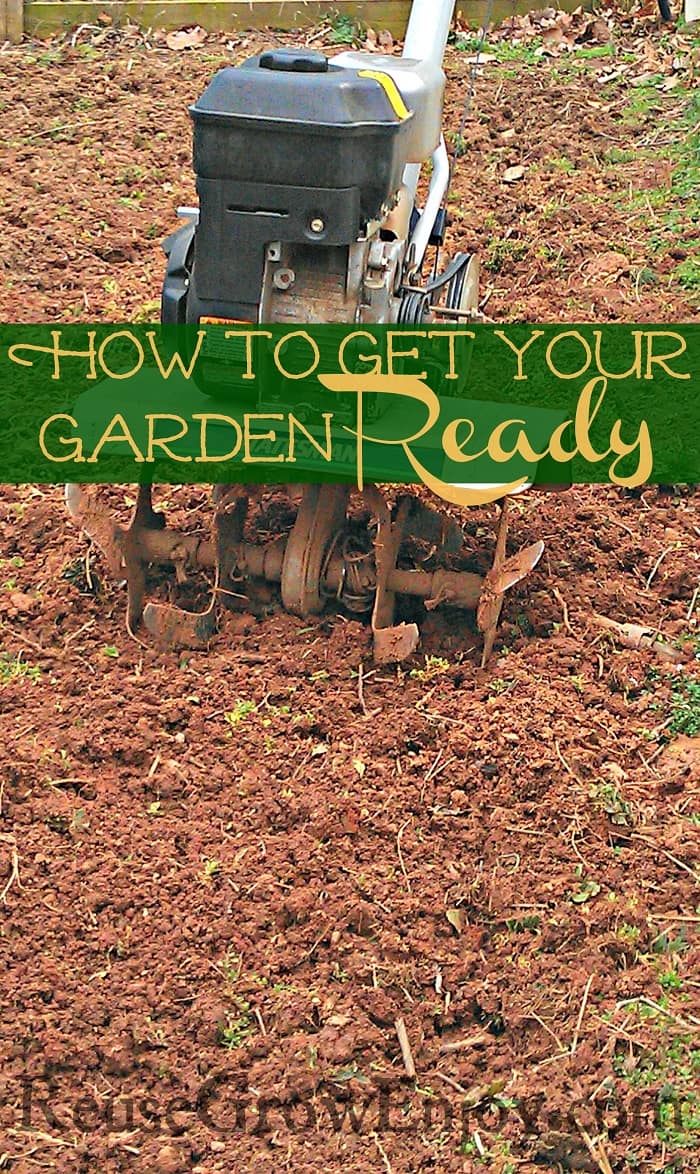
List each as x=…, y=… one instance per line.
x=42, y=18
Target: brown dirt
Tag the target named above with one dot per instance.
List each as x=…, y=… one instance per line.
x=230, y=879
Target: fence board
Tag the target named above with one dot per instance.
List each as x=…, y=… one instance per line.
x=43, y=17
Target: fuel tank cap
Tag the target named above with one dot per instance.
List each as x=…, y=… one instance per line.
x=294, y=61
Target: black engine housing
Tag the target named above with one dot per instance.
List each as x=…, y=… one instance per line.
x=287, y=147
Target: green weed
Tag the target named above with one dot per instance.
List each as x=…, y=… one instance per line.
x=609, y=799
x=669, y=980
x=13, y=668
x=502, y=252
x=609, y=50
x=345, y=31
x=240, y=711
x=238, y=1027
x=435, y=666
x=688, y=274
x=529, y=924
x=561, y=163
x=685, y=709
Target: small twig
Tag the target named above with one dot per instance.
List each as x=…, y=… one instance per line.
x=361, y=689
x=565, y=611
x=29, y=643
x=259, y=1018
x=660, y=559
x=14, y=871
x=563, y=1051
x=674, y=917
x=46, y=1138
x=597, y=1152
x=579, y=1021
x=382, y=1152
x=693, y=601
x=400, y=854
x=564, y=763
x=689, y=1024
x=460, y=1045
x=674, y=859
x=74, y=635
x=406, y=1053
x=452, y=1083
x=70, y=782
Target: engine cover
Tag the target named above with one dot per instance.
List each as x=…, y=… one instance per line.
x=289, y=147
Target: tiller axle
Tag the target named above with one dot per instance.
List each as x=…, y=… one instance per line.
x=321, y=559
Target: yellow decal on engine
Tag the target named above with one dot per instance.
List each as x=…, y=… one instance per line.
x=391, y=90
x=208, y=320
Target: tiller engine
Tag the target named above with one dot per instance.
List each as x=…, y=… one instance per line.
x=307, y=173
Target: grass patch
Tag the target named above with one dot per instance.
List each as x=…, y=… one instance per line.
x=502, y=50
x=685, y=709
x=687, y=274
x=501, y=253
x=676, y=206
x=561, y=163
x=13, y=668
x=620, y=155
x=435, y=666
x=583, y=54
x=675, y=1067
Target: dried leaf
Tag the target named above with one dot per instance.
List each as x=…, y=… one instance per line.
x=608, y=266
x=456, y=919
x=359, y=766
x=553, y=36
x=186, y=38
x=513, y=174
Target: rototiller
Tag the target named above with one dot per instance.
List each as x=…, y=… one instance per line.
x=307, y=175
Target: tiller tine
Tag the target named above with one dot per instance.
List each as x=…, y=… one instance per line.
x=504, y=574
x=392, y=642
x=98, y=526
x=173, y=627
x=322, y=558
x=129, y=551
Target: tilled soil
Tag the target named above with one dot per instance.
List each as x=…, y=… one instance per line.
x=232, y=882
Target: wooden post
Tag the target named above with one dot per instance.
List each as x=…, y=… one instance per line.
x=11, y=20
